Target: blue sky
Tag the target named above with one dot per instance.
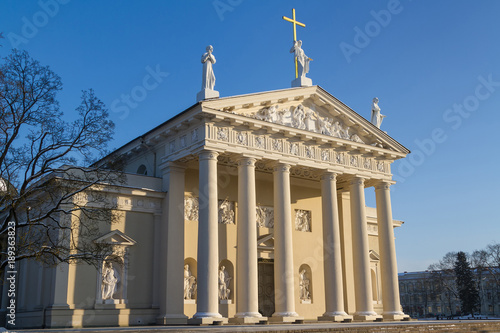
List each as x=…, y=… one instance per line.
x=434, y=65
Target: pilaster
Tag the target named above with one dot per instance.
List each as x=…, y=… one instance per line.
x=172, y=248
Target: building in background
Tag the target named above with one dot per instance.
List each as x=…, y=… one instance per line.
x=434, y=293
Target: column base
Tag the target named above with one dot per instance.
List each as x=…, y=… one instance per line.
x=336, y=316
x=207, y=321
x=289, y=317
x=396, y=316
x=367, y=316
x=248, y=320
x=178, y=319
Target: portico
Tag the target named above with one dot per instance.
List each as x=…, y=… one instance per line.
x=255, y=155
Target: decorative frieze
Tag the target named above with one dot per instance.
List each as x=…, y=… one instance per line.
x=325, y=155
x=260, y=142
x=226, y=212
x=303, y=220
x=241, y=138
x=309, y=151
x=223, y=134
x=265, y=217
x=191, y=208
x=277, y=145
x=194, y=135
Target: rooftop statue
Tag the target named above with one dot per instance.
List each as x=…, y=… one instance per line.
x=377, y=117
x=208, y=59
x=302, y=59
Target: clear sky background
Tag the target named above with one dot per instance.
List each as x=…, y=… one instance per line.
x=435, y=66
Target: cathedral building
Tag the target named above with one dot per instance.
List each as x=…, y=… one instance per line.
x=239, y=209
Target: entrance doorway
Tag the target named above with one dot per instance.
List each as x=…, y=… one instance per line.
x=266, y=287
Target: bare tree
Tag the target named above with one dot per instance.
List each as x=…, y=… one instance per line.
x=443, y=278
x=53, y=208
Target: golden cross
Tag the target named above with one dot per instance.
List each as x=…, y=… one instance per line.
x=295, y=23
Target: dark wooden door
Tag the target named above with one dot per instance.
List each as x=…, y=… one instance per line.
x=266, y=288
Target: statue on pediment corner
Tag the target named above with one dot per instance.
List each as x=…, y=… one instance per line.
x=377, y=117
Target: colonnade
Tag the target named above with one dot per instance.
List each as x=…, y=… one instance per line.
x=171, y=309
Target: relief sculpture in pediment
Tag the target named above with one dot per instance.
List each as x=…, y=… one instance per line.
x=305, y=118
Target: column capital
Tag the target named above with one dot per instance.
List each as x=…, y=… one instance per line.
x=208, y=155
x=357, y=181
x=384, y=184
x=281, y=167
x=246, y=161
x=329, y=175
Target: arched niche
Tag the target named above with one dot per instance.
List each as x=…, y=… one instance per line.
x=190, y=280
x=142, y=170
x=305, y=284
x=226, y=282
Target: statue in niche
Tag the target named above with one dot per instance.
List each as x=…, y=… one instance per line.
x=302, y=59
x=298, y=117
x=377, y=117
x=304, y=284
x=208, y=59
x=224, y=280
x=189, y=283
x=110, y=278
x=226, y=212
x=302, y=220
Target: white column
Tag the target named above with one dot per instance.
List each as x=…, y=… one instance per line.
x=388, y=263
x=247, y=292
x=172, y=247
x=283, y=248
x=361, y=250
x=332, y=258
x=207, y=306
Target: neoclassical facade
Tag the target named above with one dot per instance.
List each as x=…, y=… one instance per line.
x=240, y=209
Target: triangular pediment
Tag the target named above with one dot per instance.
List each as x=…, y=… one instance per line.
x=309, y=109
x=265, y=242
x=116, y=237
x=374, y=256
